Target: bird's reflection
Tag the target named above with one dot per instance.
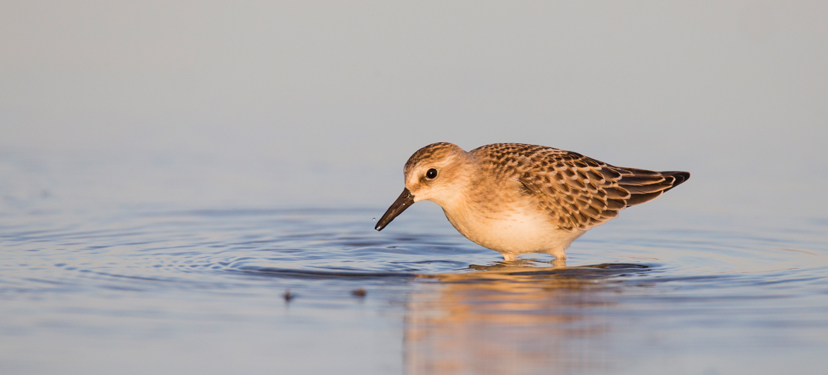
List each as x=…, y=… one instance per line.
x=512, y=317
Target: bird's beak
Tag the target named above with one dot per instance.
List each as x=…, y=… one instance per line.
x=399, y=205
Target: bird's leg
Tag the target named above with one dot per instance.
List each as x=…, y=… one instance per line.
x=509, y=257
x=560, y=256
x=559, y=262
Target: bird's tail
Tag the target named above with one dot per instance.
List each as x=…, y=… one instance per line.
x=645, y=185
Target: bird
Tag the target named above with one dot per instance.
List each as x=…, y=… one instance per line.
x=518, y=198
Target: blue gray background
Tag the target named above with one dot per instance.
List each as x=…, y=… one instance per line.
x=264, y=103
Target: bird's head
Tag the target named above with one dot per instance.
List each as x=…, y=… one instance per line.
x=437, y=173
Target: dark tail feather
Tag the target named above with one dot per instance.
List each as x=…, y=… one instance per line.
x=680, y=177
x=646, y=186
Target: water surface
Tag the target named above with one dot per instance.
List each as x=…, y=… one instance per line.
x=203, y=290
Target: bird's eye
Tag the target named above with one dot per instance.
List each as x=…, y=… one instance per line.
x=431, y=174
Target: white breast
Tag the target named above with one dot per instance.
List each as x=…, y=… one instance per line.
x=515, y=232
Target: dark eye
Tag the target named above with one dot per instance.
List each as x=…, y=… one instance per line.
x=431, y=173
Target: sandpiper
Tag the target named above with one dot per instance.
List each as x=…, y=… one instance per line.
x=518, y=198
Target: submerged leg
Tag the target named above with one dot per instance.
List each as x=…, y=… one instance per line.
x=509, y=257
x=559, y=262
x=560, y=257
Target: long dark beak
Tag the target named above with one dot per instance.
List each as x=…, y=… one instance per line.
x=399, y=205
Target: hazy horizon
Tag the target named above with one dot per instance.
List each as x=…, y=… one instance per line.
x=350, y=90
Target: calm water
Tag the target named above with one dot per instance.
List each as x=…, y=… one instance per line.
x=196, y=288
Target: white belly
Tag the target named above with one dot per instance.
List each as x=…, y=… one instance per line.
x=514, y=233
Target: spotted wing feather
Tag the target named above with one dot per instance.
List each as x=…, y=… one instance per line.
x=579, y=192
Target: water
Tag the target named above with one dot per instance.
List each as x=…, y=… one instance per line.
x=92, y=280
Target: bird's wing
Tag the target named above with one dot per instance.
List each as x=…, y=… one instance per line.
x=577, y=191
